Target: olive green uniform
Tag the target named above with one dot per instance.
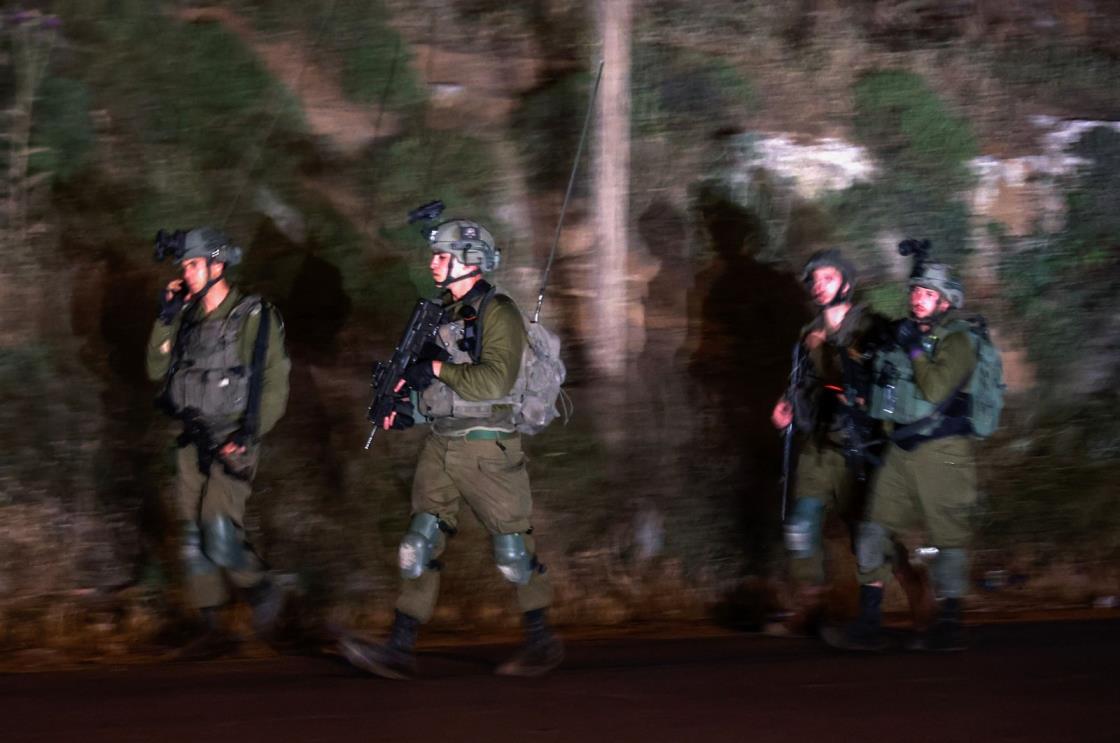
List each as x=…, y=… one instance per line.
x=929, y=480
x=211, y=492
x=824, y=477
x=473, y=452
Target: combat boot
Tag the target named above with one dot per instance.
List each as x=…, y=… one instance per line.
x=393, y=659
x=267, y=601
x=541, y=652
x=803, y=619
x=212, y=642
x=866, y=632
x=947, y=633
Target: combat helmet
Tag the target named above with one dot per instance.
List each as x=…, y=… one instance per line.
x=212, y=244
x=939, y=278
x=832, y=258
x=468, y=241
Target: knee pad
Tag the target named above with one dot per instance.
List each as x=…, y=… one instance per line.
x=802, y=529
x=190, y=551
x=871, y=539
x=512, y=556
x=222, y=544
x=950, y=573
x=414, y=555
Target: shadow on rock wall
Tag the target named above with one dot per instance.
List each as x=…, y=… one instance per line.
x=112, y=309
x=744, y=318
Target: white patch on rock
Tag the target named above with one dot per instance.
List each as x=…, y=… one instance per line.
x=447, y=93
x=289, y=221
x=815, y=168
x=1021, y=192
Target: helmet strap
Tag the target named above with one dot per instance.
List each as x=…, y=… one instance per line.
x=843, y=296
x=932, y=320
x=449, y=281
x=211, y=282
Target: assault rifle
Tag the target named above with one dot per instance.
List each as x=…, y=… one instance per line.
x=860, y=444
x=195, y=432
x=421, y=329
x=796, y=371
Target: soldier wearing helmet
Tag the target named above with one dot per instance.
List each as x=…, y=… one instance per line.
x=837, y=440
x=928, y=475
x=473, y=454
x=220, y=356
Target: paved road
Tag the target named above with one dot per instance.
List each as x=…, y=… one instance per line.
x=1040, y=682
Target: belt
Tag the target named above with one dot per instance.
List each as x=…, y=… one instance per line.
x=490, y=435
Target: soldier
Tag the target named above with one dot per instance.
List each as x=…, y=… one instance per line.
x=473, y=453
x=221, y=357
x=826, y=406
x=928, y=476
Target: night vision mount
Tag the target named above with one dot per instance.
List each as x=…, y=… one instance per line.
x=426, y=214
x=920, y=249
x=170, y=244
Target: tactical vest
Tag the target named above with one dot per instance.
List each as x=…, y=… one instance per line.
x=895, y=395
x=209, y=378
x=531, y=403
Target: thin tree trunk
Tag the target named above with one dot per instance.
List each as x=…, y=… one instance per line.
x=612, y=189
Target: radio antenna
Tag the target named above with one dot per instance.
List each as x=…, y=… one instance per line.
x=568, y=194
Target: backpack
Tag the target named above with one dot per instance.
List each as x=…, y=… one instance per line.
x=985, y=388
x=538, y=392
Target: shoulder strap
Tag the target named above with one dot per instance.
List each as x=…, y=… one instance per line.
x=482, y=305
x=251, y=421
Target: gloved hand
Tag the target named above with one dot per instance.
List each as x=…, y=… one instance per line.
x=908, y=336
x=169, y=308
x=402, y=406
x=433, y=352
x=419, y=375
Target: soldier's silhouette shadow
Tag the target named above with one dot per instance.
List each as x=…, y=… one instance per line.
x=744, y=319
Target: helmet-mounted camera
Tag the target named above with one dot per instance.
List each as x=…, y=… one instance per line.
x=920, y=249
x=425, y=213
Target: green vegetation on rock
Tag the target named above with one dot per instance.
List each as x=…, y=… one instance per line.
x=923, y=149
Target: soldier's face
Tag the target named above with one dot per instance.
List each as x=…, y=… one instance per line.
x=196, y=273
x=827, y=283
x=446, y=266
x=925, y=303
x=440, y=266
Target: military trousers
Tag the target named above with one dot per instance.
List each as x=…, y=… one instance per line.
x=932, y=488
x=823, y=476
x=491, y=477
x=211, y=510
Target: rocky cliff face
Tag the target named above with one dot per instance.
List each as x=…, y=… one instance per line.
x=758, y=135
